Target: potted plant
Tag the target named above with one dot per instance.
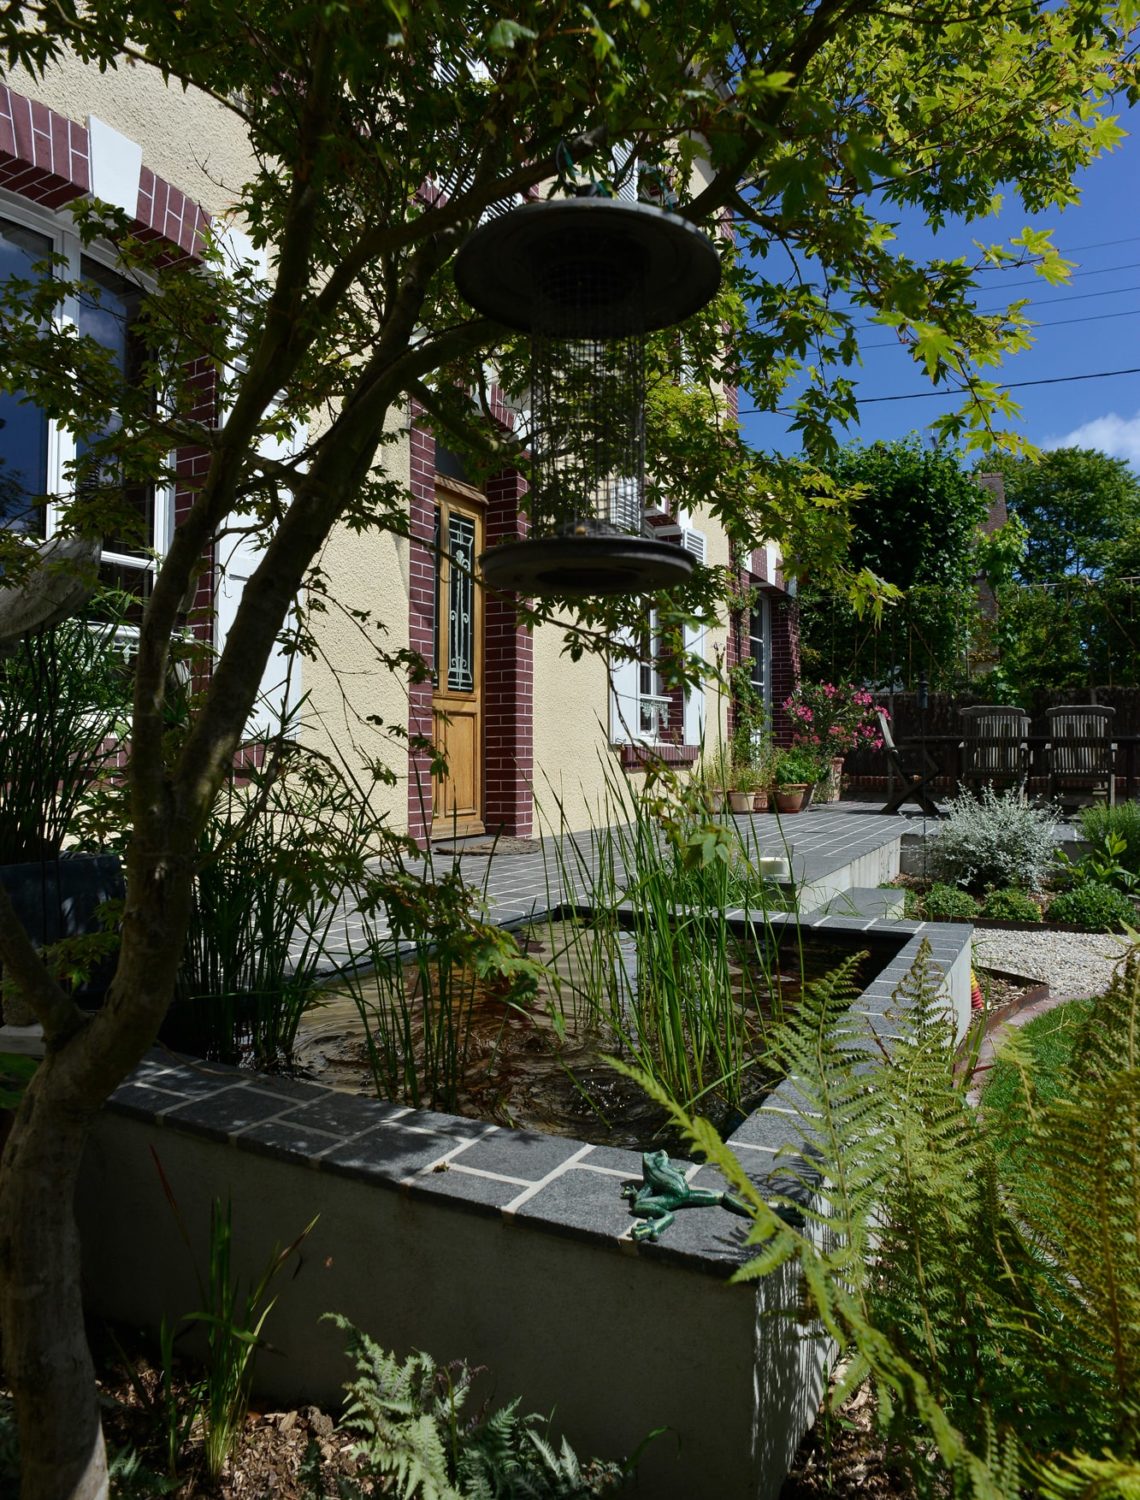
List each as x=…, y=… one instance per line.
x=829, y=719
x=63, y=698
x=764, y=763
x=712, y=775
x=742, y=788
x=796, y=772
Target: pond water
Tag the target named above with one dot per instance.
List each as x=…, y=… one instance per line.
x=537, y=1063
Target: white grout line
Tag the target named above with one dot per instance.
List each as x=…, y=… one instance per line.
x=457, y=1167
x=536, y=1187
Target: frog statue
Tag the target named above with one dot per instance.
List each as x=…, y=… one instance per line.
x=664, y=1191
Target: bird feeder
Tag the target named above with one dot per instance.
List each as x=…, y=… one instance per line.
x=588, y=278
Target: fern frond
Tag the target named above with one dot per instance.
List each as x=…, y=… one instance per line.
x=396, y=1412
x=1081, y=1477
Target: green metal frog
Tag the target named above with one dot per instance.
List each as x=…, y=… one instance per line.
x=664, y=1191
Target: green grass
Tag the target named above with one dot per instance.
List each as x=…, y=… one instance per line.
x=1028, y=1073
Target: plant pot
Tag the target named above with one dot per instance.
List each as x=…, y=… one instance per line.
x=58, y=897
x=740, y=802
x=793, y=798
x=716, y=797
x=760, y=801
x=828, y=789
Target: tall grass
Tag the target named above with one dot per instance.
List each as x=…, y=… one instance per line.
x=693, y=1007
x=64, y=697
x=289, y=835
x=423, y=953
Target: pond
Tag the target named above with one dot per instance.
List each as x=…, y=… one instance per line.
x=439, y=1037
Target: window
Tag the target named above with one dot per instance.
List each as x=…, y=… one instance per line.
x=455, y=643
x=642, y=710
x=653, y=700
x=759, y=638
x=23, y=427
x=33, y=452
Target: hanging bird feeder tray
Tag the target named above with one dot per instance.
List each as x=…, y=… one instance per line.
x=587, y=278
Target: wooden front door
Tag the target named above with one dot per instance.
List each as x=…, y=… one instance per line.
x=457, y=798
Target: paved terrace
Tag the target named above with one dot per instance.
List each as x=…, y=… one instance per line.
x=830, y=849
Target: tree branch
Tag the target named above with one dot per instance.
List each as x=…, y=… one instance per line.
x=56, y=1012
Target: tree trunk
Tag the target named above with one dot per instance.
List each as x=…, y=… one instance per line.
x=41, y=1310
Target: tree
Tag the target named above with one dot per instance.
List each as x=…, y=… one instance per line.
x=913, y=519
x=815, y=122
x=1077, y=505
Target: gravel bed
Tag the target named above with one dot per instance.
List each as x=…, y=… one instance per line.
x=1075, y=965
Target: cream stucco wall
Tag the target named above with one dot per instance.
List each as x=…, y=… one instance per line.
x=187, y=138
x=346, y=685
x=572, y=750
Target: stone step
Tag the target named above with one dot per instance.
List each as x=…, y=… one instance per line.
x=865, y=901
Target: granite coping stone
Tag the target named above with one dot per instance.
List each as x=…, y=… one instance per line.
x=471, y=1191
x=227, y=1112
x=527, y=1179
x=390, y=1153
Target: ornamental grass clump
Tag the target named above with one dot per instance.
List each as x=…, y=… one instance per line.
x=995, y=839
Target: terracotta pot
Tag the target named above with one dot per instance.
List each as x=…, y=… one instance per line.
x=716, y=799
x=793, y=798
x=760, y=801
x=740, y=802
x=828, y=790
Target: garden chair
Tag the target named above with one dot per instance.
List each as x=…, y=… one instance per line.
x=1080, y=751
x=914, y=766
x=995, y=746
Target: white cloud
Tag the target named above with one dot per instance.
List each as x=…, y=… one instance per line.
x=1117, y=436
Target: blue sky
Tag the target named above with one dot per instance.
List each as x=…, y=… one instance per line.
x=1089, y=326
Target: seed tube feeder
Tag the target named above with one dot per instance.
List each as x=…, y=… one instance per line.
x=587, y=278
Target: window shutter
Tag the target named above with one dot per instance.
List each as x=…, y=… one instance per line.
x=623, y=699
x=237, y=558
x=694, y=713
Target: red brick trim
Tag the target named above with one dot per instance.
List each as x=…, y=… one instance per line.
x=508, y=691
x=46, y=158
x=165, y=212
x=43, y=156
x=641, y=757
x=421, y=621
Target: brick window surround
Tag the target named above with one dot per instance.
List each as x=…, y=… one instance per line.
x=46, y=159
x=785, y=638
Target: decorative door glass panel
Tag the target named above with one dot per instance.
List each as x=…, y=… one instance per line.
x=461, y=604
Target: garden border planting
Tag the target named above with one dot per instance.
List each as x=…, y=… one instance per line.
x=509, y=1248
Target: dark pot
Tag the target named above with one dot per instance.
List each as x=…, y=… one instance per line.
x=58, y=898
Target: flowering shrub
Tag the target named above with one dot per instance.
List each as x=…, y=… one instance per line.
x=833, y=717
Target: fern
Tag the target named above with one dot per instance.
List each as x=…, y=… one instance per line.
x=993, y=1298
x=397, y=1411
x=407, y=1419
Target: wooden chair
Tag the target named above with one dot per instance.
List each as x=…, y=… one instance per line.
x=1080, y=751
x=995, y=746
x=914, y=766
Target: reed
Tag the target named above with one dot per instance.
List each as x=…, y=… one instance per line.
x=290, y=833
x=423, y=955
x=686, y=990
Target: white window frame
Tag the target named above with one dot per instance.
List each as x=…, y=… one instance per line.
x=641, y=718
x=764, y=605
x=61, y=443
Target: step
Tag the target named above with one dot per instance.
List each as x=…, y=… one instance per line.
x=865, y=901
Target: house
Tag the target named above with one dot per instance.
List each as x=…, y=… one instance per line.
x=521, y=723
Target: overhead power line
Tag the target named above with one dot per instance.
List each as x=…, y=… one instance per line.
x=1013, y=385
x=1044, y=323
